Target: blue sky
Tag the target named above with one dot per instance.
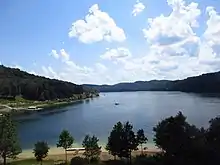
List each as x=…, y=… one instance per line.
x=96, y=41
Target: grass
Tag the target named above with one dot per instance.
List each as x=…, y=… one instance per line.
x=31, y=162
x=21, y=102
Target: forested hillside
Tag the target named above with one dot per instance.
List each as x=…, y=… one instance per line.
x=206, y=83
x=14, y=82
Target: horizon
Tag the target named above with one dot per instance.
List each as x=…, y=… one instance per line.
x=125, y=82
x=98, y=45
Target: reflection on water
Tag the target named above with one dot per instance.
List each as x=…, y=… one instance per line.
x=97, y=116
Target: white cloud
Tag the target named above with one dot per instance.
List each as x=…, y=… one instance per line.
x=54, y=54
x=97, y=26
x=116, y=54
x=212, y=33
x=138, y=8
x=100, y=67
x=64, y=54
x=175, y=27
x=175, y=51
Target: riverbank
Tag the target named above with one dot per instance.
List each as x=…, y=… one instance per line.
x=22, y=106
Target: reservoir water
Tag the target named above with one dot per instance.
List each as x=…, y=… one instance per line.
x=98, y=115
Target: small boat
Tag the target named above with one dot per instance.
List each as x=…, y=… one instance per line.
x=116, y=103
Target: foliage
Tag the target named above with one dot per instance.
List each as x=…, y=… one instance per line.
x=174, y=134
x=148, y=160
x=65, y=141
x=114, y=140
x=141, y=138
x=92, y=149
x=41, y=150
x=77, y=161
x=213, y=139
x=122, y=140
x=14, y=82
x=9, y=146
x=185, y=144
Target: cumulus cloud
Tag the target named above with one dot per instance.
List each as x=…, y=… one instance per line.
x=212, y=33
x=116, y=54
x=62, y=54
x=176, y=27
x=97, y=26
x=138, y=8
x=54, y=54
x=175, y=51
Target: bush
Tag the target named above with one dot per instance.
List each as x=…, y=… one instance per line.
x=149, y=160
x=77, y=161
x=94, y=160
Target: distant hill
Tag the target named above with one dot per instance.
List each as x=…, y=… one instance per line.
x=14, y=82
x=206, y=83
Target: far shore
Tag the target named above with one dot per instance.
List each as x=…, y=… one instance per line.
x=37, y=106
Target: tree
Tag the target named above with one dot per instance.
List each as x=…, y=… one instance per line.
x=177, y=138
x=113, y=145
x=92, y=149
x=41, y=150
x=129, y=141
x=213, y=139
x=122, y=140
x=141, y=138
x=9, y=146
x=65, y=141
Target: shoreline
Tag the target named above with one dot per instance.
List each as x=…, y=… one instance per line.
x=59, y=153
x=43, y=106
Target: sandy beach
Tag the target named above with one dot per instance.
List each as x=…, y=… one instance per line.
x=59, y=154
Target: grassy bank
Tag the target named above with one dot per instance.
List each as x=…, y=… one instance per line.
x=21, y=105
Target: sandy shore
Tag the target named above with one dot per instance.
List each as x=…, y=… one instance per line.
x=59, y=154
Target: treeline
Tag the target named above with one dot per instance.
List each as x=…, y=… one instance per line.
x=206, y=83
x=180, y=142
x=14, y=82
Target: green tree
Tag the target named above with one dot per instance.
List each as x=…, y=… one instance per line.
x=213, y=139
x=141, y=138
x=65, y=141
x=129, y=141
x=122, y=140
x=9, y=146
x=41, y=150
x=92, y=149
x=177, y=138
x=113, y=145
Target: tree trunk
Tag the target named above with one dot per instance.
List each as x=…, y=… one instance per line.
x=4, y=159
x=66, y=155
x=41, y=162
x=114, y=157
x=142, y=150
x=130, y=157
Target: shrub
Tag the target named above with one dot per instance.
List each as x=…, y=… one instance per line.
x=77, y=161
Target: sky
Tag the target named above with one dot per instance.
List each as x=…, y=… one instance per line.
x=111, y=41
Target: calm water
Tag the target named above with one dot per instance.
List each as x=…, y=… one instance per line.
x=97, y=116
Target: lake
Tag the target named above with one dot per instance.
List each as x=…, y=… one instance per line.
x=98, y=115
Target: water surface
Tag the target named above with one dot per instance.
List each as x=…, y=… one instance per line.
x=97, y=116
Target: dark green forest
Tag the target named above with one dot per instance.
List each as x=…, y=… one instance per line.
x=14, y=82
x=205, y=83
